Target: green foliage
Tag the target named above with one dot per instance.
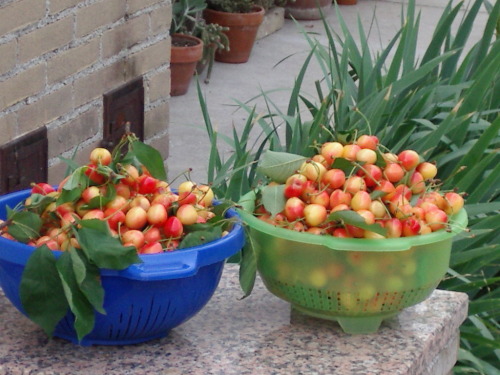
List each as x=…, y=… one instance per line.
x=231, y=6
x=187, y=19
x=268, y=4
x=444, y=104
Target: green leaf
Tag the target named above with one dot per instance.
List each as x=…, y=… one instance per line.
x=248, y=265
x=353, y=218
x=151, y=159
x=39, y=203
x=101, y=200
x=490, y=305
x=278, y=166
x=74, y=186
x=72, y=165
x=25, y=225
x=200, y=237
x=88, y=279
x=345, y=165
x=273, y=198
x=102, y=249
x=80, y=306
x=41, y=290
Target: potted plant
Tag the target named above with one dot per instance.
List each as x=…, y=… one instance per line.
x=186, y=48
x=306, y=9
x=242, y=18
x=194, y=43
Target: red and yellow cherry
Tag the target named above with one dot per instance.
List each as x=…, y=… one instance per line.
x=294, y=208
x=136, y=218
x=100, y=156
x=314, y=214
x=187, y=214
x=173, y=227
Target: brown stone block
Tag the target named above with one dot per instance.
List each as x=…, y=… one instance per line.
x=71, y=133
x=46, y=109
x=8, y=128
x=72, y=61
x=20, y=14
x=161, y=19
x=124, y=36
x=136, y=5
x=148, y=59
x=159, y=86
x=22, y=85
x=8, y=56
x=94, y=85
x=99, y=14
x=45, y=39
x=56, y=6
x=156, y=120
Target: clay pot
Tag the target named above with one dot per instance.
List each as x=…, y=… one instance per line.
x=186, y=51
x=346, y=2
x=241, y=34
x=307, y=9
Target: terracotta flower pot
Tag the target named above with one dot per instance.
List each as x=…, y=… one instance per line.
x=346, y=2
x=241, y=34
x=307, y=9
x=186, y=51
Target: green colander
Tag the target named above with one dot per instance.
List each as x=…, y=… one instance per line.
x=357, y=282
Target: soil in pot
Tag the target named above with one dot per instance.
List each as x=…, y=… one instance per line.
x=186, y=51
x=307, y=9
x=242, y=31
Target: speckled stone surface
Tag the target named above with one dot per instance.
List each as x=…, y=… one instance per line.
x=257, y=335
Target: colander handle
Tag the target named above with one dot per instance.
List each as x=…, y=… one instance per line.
x=176, y=265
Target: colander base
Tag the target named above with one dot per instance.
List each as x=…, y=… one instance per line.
x=353, y=325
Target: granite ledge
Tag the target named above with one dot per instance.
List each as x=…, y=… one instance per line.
x=257, y=335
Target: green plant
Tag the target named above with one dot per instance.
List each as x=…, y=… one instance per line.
x=187, y=19
x=444, y=105
x=231, y=6
x=268, y=4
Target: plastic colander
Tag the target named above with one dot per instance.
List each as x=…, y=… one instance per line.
x=144, y=301
x=357, y=282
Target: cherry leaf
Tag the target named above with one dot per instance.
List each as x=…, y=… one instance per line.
x=343, y=164
x=88, y=278
x=200, y=237
x=151, y=159
x=25, y=225
x=102, y=249
x=79, y=304
x=41, y=290
x=273, y=198
x=278, y=166
x=355, y=219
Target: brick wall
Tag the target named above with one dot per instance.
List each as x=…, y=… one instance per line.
x=58, y=57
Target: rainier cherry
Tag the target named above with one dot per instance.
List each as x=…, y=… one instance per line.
x=427, y=170
x=368, y=141
x=314, y=214
x=409, y=159
x=333, y=178
x=331, y=150
x=136, y=218
x=101, y=156
x=187, y=214
x=42, y=188
x=151, y=248
x=157, y=215
x=173, y=227
x=453, y=203
x=294, y=209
